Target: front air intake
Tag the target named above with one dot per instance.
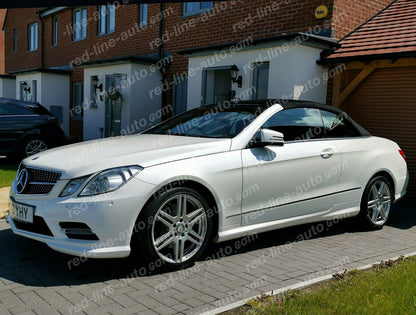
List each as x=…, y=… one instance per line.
x=78, y=231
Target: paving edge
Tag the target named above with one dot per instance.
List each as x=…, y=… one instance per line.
x=295, y=286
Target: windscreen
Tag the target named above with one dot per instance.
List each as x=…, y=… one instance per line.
x=210, y=122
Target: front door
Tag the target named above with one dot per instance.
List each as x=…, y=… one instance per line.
x=112, y=107
x=217, y=86
x=295, y=180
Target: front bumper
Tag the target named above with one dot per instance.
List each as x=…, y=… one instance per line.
x=111, y=217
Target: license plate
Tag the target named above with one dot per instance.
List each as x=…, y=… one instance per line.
x=21, y=212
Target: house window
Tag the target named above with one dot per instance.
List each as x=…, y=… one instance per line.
x=80, y=24
x=191, y=8
x=261, y=81
x=77, y=110
x=33, y=37
x=15, y=40
x=143, y=15
x=54, y=31
x=107, y=19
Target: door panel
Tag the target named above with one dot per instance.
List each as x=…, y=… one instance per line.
x=285, y=176
x=12, y=128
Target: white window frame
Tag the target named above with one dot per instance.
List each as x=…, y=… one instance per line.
x=107, y=15
x=79, y=27
x=144, y=9
x=198, y=9
x=32, y=34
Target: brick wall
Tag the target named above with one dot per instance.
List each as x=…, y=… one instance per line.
x=228, y=21
x=348, y=15
x=19, y=19
x=2, y=56
x=235, y=21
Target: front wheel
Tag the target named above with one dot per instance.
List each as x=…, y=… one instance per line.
x=33, y=145
x=177, y=228
x=376, y=202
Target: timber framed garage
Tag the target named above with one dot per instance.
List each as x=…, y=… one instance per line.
x=378, y=86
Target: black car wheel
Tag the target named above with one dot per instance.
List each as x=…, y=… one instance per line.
x=33, y=145
x=177, y=228
x=376, y=202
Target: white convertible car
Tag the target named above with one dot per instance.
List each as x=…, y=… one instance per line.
x=216, y=172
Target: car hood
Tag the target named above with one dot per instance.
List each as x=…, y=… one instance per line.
x=146, y=150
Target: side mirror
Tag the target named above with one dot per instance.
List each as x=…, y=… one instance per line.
x=267, y=137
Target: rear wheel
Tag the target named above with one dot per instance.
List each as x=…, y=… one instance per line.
x=376, y=202
x=177, y=228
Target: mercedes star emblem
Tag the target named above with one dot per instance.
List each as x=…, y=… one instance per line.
x=22, y=180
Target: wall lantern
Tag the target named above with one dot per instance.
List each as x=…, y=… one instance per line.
x=95, y=83
x=26, y=87
x=235, y=77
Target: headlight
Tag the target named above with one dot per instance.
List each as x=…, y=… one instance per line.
x=73, y=186
x=110, y=180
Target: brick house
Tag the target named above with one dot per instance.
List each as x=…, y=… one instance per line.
x=6, y=82
x=165, y=58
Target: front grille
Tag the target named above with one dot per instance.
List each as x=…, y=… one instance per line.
x=38, y=189
x=43, y=176
x=38, y=226
x=39, y=181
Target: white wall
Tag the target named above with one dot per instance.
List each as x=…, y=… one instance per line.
x=146, y=101
x=293, y=72
x=139, y=102
x=29, y=78
x=52, y=89
x=7, y=87
x=94, y=118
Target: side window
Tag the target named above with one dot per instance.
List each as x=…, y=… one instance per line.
x=190, y=8
x=297, y=124
x=337, y=126
x=143, y=15
x=7, y=109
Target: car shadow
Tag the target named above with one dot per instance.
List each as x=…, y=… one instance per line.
x=32, y=263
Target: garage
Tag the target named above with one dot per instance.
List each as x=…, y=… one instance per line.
x=378, y=86
x=385, y=103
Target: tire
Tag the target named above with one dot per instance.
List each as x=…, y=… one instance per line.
x=170, y=238
x=33, y=145
x=376, y=203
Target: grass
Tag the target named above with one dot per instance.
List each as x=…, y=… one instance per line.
x=7, y=175
x=387, y=288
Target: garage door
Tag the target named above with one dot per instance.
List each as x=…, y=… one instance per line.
x=385, y=104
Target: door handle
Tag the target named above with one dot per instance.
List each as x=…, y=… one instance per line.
x=327, y=153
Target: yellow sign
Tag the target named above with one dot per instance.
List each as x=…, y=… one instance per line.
x=321, y=12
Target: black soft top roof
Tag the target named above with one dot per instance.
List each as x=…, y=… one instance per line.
x=287, y=104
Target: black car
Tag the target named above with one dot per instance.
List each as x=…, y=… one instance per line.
x=27, y=128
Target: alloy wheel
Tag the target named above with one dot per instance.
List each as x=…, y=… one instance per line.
x=179, y=228
x=35, y=146
x=379, y=203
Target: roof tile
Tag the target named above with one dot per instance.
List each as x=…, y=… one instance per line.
x=392, y=31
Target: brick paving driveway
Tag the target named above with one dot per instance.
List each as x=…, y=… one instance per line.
x=36, y=280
